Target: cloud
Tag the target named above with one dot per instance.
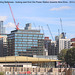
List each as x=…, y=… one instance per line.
x=61, y=8
x=52, y=20
x=40, y=28
x=3, y=18
x=10, y=25
x=46, y=20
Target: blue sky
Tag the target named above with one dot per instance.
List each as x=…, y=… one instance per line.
x=40, y=14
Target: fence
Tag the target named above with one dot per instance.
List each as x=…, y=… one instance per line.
x=37, y=71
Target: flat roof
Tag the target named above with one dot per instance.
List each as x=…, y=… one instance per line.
x=25, y=59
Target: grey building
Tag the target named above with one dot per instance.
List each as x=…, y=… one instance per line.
x=2, y=29
x=62, y=42
x=28, y=26
x=25, y=43
x=3, y=45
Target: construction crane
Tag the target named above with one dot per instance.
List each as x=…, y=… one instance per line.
x=61, y=24
x=17, y=28
x=43, y=30
x=58, y=32
x=50, y=31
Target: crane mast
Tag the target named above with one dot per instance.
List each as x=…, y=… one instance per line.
x=17, y=28
x=50, y=31
x=61, y=24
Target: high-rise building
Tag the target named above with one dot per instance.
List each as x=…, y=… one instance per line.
x=2, y=29
x=50, y=46
x=47, y=44
x=3, y=45
x=72, y=42
x=25, y=43
x=53, y=50
x=64, y=44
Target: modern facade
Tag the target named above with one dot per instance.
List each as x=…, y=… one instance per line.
x=53, y=50
x=47, y=44
x=72, y=42
x=25, y=43
x=3, y=45
x=50, y=46
x=2, y=29
x=64, y=44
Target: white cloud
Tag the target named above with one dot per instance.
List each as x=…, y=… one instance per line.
x=3, y=18
x=60, y=8
x=46, y=20
x=40, y=28
x=10, y=25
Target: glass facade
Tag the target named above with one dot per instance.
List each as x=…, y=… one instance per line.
x=25, y=43
x=2, y=29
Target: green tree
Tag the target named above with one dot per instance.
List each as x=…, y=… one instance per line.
x=1, y=73
x=70, y=57
x=61, y=55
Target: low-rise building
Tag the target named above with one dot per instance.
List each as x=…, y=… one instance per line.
x=72, y=42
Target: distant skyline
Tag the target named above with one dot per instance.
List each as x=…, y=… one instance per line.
x=40, y=14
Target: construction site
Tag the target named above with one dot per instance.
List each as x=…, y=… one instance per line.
x=28, y=52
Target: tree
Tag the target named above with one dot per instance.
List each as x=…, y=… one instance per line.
x=61, y=55
x=70, y=57
x=1, y=73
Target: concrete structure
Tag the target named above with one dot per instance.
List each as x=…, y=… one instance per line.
x=62, y=35
x=72, y=42
x=53, y=48
x=25, y=43
x=50, y=46
x=3, y=45
x=28, y=26
x=23, y=61
x=64, y=44
x=47, y=44
x=2, y=29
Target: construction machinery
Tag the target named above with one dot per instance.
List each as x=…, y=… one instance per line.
x=50, y=32
x=17, y=28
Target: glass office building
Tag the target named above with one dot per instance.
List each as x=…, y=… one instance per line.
x=2, y=29
x=25, y=43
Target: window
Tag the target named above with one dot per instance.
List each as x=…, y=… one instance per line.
x=19, y=44
x=16, y=44
x=30, y=35
x=24, y=34
x=24, y=39
x=35, y=35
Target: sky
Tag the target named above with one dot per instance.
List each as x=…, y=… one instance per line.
x=39, y=15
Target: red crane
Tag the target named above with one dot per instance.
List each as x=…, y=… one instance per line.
x=17, y=28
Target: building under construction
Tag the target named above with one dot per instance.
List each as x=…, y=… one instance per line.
x=25, y=43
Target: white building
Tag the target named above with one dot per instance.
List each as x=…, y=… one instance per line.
x=64, y=44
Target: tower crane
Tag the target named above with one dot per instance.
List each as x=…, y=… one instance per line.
x=17, y=28
x=50, y=31
x=61, y=24
x=43, y=30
